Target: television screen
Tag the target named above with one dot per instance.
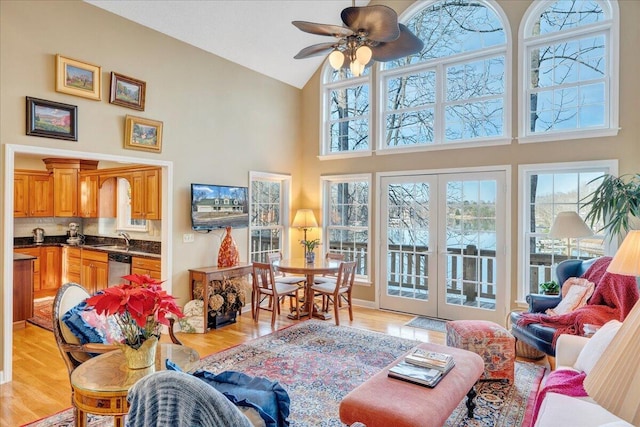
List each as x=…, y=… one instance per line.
x=218, y=206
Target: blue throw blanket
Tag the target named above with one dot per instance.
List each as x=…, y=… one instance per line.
x=169, y=398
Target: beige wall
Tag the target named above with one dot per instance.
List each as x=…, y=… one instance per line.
x=625, y=146
x=220, y=120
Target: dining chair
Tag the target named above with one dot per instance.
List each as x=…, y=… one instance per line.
x=338, y=291
x=329, y=277
x=265, y=286
x=282, y=277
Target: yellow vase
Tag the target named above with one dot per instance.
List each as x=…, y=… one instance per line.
x=142, y=357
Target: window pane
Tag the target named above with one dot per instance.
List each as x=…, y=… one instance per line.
x=411, y=91
x=349, y=102
x=475, y=79
x=351, y=135
x=266, y=228
x=410, y=128
x=474, y=120
x=567, y=14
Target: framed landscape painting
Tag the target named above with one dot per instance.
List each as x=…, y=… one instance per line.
x=142, y=134
x=78, y=78
x=127, y=91
x=52, y=119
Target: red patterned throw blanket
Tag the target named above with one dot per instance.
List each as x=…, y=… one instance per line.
x=613, y=298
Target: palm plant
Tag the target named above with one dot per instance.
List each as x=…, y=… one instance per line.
x=615, y=201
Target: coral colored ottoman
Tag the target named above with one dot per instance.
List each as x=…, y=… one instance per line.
x=387, y=402
x=492, y=342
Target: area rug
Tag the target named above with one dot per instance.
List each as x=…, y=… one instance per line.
x=429, y=323
x=42, y=309
x=319, y=363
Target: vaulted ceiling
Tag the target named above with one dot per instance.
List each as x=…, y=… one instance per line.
x=256, y=34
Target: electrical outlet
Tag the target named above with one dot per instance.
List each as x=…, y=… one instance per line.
x=187, y=238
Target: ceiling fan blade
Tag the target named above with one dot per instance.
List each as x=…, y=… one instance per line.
x=315, y=50
x=380, y=22
x=407, y=44
x=323, y=29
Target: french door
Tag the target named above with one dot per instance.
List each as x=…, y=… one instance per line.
x=442, y=245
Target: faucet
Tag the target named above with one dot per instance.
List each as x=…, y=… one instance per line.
x=126, y=237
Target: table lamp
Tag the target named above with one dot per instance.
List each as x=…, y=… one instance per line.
x=569, y=225
x=614, y=382
x=304, y=220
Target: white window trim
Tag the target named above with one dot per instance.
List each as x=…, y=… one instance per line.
x=524, y=171
x=438, y=66
x=611, y=28
x=285, y=207
x=325, y=134
x=325, y=180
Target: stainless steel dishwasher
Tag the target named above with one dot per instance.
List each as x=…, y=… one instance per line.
x=119, y=265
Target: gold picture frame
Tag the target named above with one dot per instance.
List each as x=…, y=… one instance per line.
x=78, y=78
x=142, y=134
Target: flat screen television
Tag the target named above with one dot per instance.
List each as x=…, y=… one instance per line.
x=219, y=206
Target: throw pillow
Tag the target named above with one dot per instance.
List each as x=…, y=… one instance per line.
x=596, y=345
x=91, y=327
x=575, y=293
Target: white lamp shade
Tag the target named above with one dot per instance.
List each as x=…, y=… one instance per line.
x=614, y=381
x=304, y=219
x=336, y=59
x=364, y=54
x=356, y=68
x=569, y=224
x=627, y=259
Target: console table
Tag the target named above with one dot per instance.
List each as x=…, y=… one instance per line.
x=210, y=278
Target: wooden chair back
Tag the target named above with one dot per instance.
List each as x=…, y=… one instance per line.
x=346, y=276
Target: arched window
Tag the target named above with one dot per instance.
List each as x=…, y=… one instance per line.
x=346, y=112
x=569, y=69
x=455, y=92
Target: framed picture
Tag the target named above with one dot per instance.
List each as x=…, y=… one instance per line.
x=78, y=78
x=52, y=119
x=142, y=134
x=127, y=91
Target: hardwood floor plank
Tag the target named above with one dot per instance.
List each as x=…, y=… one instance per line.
x=40, y=385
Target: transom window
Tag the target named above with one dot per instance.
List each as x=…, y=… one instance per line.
x=346, y=211
x=569, y=52
x=269, y=207
x=454, y=90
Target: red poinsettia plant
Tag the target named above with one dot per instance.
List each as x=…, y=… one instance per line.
x=139, y=307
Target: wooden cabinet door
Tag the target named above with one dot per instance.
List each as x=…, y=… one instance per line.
x=65, y=192
x=50, y=265
x=71, y=265
x=152, y=194
x=88, y=276
x=101, y=271
x=95, y=270
x=89, y=196
x=146, y=266
x=145, y=194
x=20, y=195
x=41, y=195
x=137, y=195
x=36, y=264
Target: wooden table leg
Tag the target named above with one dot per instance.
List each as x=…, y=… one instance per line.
x=471, y=404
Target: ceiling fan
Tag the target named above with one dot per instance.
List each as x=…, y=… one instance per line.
x=370, y=33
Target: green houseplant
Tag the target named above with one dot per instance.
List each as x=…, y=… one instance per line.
x=549, y=288
x=615, y=201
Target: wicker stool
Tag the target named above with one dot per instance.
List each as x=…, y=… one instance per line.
x=492, y=342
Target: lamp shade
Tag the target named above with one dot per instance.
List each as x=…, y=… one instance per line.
x=627, y=259
x=614, y=381
x=304, y=219
x=569, y=224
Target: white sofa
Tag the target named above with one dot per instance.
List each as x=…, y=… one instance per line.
x=558, y=410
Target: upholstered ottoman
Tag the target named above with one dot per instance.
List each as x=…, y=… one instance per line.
x=492, y=342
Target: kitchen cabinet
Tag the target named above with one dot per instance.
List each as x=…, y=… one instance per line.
x=47, y=272
x=22, y=289
x=148, y=266
x=95, y=270
x=66, y=184
x=71, y=265
x=146, y=193
x=95, y=200
x=32, y=194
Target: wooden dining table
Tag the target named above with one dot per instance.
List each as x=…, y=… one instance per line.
x=309, y=270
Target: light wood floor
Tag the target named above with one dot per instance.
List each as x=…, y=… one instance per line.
x=40, y=385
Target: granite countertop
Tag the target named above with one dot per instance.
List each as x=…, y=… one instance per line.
x=22, y=257
x=137, y=248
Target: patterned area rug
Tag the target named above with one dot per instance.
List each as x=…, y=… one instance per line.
x=42, y=309
x=319, y=363
x=427, y=323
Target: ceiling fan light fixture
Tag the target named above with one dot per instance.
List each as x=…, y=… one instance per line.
x=356, y=68
x=336, y=59
x=363, y=55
